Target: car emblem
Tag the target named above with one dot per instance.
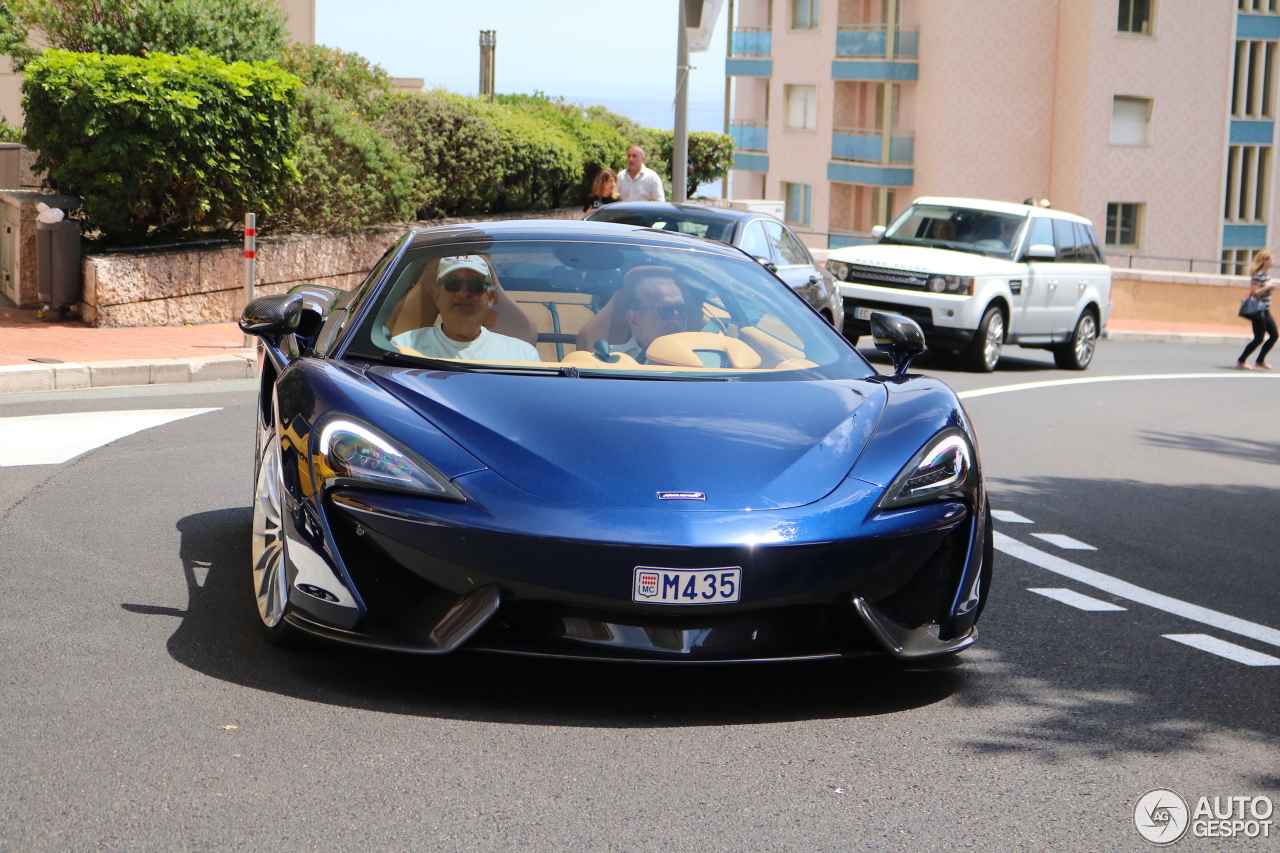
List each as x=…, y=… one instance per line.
x=681, y=496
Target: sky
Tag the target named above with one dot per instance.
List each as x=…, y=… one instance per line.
x=620, y=53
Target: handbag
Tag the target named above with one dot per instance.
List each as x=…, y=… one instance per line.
x=1250, y=307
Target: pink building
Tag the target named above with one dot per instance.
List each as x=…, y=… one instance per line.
x=1154, y=118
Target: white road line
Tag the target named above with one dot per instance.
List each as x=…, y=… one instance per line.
x=1065, y=542
x=1131, y=592
x=1027, y=386
x=1075, y=599
x=1222, y=648
x=1010, y=516
x=53, y=439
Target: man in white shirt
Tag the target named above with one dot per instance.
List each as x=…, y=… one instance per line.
x=638, y=182
x=463, y=292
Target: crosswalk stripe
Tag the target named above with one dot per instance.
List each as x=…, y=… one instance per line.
x=1223, y=649
x=1010, y=516
x=1063, y=541
x=54, y=439
x=1075, y=599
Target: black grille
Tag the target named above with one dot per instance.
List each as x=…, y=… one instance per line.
x=862, y=274
x=927, y=596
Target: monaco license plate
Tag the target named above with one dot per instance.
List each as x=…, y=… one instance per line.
x=687, y=586
x=862, y=313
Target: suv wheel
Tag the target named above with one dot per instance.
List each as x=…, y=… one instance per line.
x=983, y=351
x=1078, y=351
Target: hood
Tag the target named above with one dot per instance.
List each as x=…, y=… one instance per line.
x=618, y=443
x=926, y=260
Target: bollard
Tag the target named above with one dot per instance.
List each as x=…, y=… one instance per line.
x=250, y=265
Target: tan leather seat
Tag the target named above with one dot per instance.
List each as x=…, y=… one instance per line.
x=417, y=310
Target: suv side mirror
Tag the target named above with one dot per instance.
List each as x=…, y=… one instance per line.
x=1040, y=252
x=767, y=264
x=272, y=316
x=898, y=337
x=877, y=232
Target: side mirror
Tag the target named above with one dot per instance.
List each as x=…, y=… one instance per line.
x=1040, y=252
x=272, y=316
x=877, y=232
x=899, y=338
x=767, y=264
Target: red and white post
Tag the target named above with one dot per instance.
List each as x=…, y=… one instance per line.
x=250, y=264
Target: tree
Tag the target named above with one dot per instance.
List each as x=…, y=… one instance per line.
x=342, y=74
x=710, y=156
x=232, y=30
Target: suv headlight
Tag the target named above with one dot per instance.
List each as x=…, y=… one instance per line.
x=951, y=284
x=943, y=468
x=839, y=269
x=348, y=452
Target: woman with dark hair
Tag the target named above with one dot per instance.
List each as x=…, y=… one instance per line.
x=1263, y=323
x=604, y=190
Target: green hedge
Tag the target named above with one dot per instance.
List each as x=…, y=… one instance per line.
x=601, y=143
x=163, y=144
x=540, y=163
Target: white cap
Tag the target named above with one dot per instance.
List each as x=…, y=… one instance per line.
x=453, y=263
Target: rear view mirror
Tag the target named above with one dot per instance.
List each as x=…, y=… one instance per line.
x=272, y=316
x=877, y=232
x=898, y=337
x=1040, y=252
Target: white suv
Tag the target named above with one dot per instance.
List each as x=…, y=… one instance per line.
x=978, y=274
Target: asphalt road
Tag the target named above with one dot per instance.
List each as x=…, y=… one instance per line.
x=138, y=710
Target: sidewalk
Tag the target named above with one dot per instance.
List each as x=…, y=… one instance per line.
x=42, y=355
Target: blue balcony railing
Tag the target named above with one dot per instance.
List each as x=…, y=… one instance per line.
x=870, y=41
x=751, y=41
x=749, y=135
x=867, y=146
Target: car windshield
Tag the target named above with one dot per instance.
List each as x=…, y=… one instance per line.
x=621, y=309
x=669, y=220
x=982, y=232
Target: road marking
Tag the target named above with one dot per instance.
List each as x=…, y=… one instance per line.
x=1064, y=542
x=1010, y=516
x=1075, y=599
x=1132, y=592
x=53, y=439
x=1223, y=649
x=1053, y=383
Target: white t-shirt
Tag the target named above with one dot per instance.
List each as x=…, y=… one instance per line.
x=646, y=186
x=489, y=346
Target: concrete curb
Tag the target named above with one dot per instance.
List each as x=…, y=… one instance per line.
x=1179, y=338
x=103, y=374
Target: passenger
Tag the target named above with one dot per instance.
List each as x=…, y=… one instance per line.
x=463, y=292
x=656, y=307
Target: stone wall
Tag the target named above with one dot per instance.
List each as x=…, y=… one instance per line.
x=173, y=287
x=1172, y=297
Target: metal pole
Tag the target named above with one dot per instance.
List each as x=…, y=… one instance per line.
x=488, y=65
x=728, y=92
x=250, y=264
x=680, y=143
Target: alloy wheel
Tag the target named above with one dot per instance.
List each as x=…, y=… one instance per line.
x=268, y=536
x=1086, y=339
x=995, y=340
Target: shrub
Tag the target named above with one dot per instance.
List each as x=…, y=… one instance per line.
x=710, y=156
x=232, y=30
x=162, y=144
x=602, y=146
x=460, y=154
x=347, y=76
x=540, y=163
x=349, y=175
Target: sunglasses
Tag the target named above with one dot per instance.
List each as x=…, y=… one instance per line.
x=474, y=286
x=666, y=312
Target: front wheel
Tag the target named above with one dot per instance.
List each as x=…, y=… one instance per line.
x=270, y=580
x=1078, y=351
x=983, y=351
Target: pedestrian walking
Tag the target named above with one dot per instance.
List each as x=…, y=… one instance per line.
x=638, y=182
x=604, y=190
x=1260, y=288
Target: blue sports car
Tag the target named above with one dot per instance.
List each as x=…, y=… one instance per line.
x=589, y=440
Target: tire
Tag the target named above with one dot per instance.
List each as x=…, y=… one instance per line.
x=983, y=352
x=1078, y=351
x=270, y=576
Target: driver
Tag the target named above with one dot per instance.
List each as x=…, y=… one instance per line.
x=463, y=292
x=655, y=307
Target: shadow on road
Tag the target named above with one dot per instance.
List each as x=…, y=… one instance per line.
x=1250, y=450
x=218, y=636
x=935, y=361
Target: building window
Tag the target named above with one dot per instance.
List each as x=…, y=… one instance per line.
x=799, y=202
x=804, y=14
x=1130, y=118
x=1236, y=261
x=1248, y=178
x=1124, y=221
x=881, y=206
x=1135, y=17
x=1251, y=89
x=1259, y=5
x=801, y=106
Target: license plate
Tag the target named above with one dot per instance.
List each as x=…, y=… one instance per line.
x=862, y=313
x=686, y=586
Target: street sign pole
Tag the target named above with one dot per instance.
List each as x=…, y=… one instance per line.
x=680, y=143
x=250, y=264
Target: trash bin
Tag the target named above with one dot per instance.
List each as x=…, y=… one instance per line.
x=58, y=264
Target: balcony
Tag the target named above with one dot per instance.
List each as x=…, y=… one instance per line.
x=870, y=40
x=751, y=41
x=867, y=145
x=749, y=135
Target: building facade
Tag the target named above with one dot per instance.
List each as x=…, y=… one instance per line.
x=1154, y=118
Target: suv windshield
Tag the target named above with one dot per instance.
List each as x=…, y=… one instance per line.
x=982, y=232
x=669, y=220
x=625, y=309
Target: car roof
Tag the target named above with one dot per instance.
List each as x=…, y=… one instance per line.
x=1002, y=207
x=562, y=230
x=703, y=211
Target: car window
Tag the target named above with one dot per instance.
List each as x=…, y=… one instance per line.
x=1064, y=237
x=644, y=308
x=1041, y=232
x=1087, y=245
x=668, y=220
x=940, y=226
x=754, y=241
x=785, y=245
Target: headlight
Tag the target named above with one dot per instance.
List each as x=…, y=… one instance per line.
x=839, y=269
x=950, y=284
x=943, y=468
x=348, y=452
